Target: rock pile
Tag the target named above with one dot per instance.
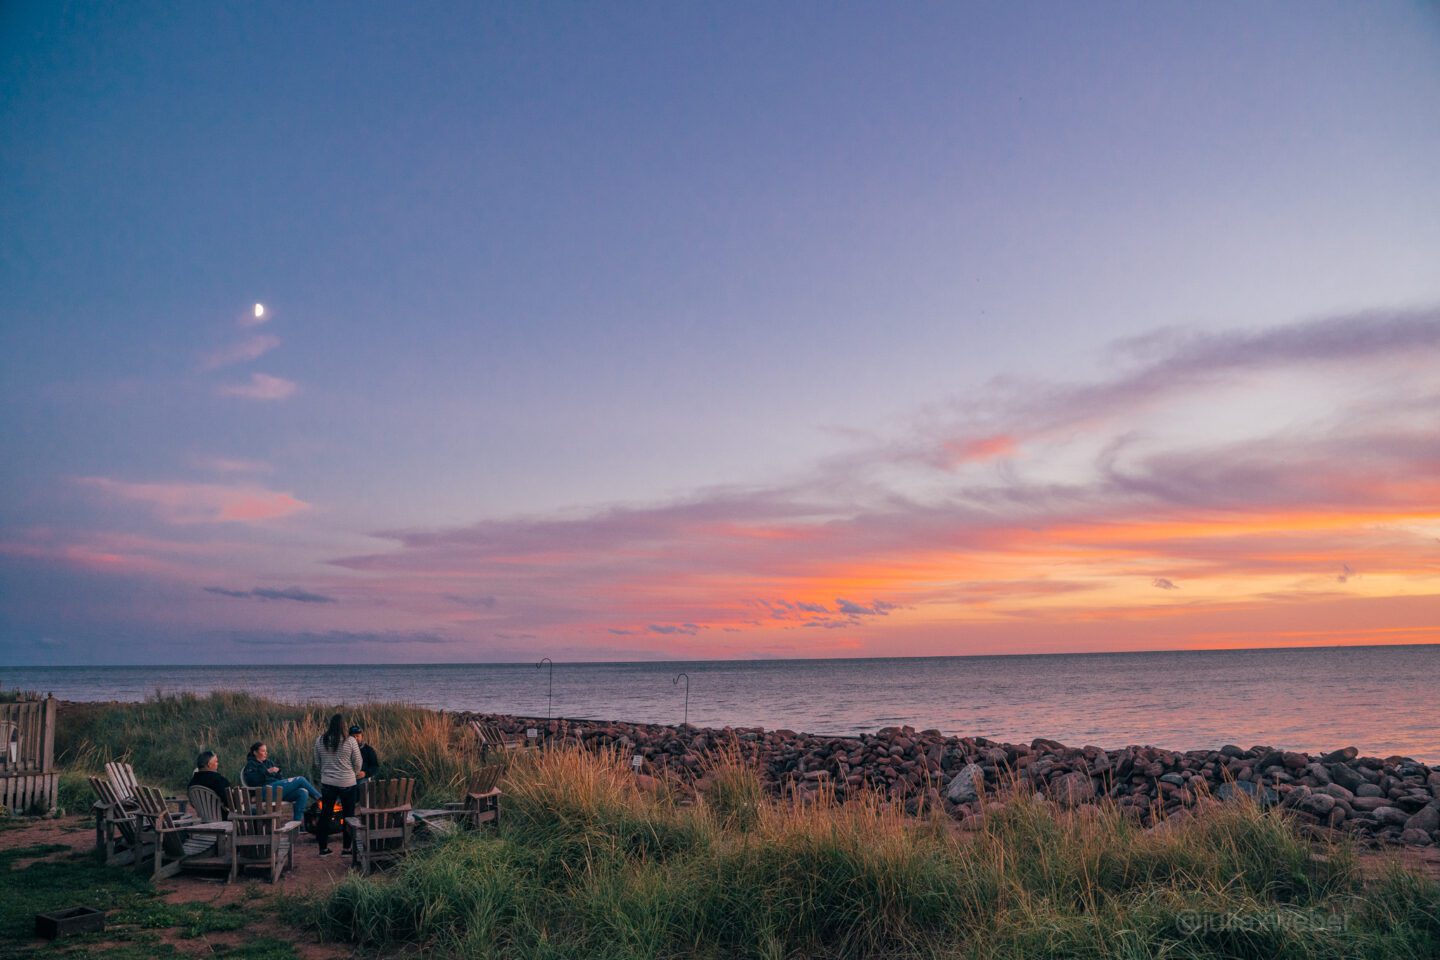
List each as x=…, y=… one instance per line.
x=1394, y=800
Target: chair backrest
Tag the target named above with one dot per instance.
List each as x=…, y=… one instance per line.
x=489, y=734
x=108, y=794
x=122, y=776
x=257, y=811
x=387, y=796
x=206, y=803
x=486, y=779
x=152, y=805
x=105, y=792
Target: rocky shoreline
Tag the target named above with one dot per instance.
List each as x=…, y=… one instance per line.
x=1379, y=801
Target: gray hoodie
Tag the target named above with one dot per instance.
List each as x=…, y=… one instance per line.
x=340, y=768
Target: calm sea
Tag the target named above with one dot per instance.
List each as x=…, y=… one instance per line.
x=1381, y=699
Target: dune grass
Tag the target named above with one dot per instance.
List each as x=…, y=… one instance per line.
x=162, y=735
x=589, y=865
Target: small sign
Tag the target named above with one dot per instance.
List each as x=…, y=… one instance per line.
x=532, y=733
x=636, y=761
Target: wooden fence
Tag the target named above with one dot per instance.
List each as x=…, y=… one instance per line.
x=28, y=778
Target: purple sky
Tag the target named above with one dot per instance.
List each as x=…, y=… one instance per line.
x=673, y=330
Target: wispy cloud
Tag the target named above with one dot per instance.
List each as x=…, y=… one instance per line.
x=242, y=351
x=483, y=602
x=232, y=465
x=1048, y=539
x=338, y=639
x=260, y=386
x=186, y=503
x=269, y=593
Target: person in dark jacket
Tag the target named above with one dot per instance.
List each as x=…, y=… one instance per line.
x=261, y=772
x=207, y=766
x=369, y=759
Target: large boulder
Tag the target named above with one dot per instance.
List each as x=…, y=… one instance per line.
x=1072, y=789
x=1345, y=776
x=966, y=785
x=1390, y=816
x=1427, y=819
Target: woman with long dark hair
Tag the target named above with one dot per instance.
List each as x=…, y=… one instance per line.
x=341, y=766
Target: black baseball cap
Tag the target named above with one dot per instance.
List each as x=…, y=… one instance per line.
x=356, y=728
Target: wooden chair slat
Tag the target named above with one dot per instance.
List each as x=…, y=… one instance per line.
x=181, y=844
x=382, y=821
x=263, y=830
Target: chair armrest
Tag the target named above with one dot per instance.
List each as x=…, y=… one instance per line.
x=364, y=810
x=289, y=827
x=217, y=826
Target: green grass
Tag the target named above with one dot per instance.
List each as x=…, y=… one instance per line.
x=33, y=879
x=162, y=735
x=590, y=866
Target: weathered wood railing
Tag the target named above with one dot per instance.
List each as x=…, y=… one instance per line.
x=27, y=755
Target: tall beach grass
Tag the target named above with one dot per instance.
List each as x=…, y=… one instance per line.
x=591, y=861
x=591, y=865
x=162, y=736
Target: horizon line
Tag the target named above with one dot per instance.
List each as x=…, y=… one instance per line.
x=945, y=656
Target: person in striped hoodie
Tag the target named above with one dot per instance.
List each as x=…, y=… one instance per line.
x=341, y=767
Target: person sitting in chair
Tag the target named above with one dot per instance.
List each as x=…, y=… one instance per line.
x=369, y=759
x=260, y=772
x=206, y=775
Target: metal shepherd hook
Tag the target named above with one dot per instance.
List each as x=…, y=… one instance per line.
x=676, y=681
x=550, y=687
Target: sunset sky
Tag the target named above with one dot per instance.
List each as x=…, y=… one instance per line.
x=709, y=330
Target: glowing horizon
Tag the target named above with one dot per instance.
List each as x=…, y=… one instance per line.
x=993, y=332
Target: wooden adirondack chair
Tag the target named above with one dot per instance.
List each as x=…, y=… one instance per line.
x=382, y=822
x=264, y=832
x=206, y=804
x=118, y=830
x=183, y=846
x=481, y=805
x=122, y=778
x=482, y=797
x=491, y=737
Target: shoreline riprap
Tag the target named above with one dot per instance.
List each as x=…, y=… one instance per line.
x=1379, y=801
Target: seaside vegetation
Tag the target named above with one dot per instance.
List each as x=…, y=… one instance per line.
x=589, y=863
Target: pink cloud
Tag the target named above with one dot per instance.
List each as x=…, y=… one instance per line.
x=260, y=386
x=242, y=351
x=201, y=502
x=232, y=465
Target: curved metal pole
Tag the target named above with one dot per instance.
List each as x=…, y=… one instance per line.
x=676, y=681
x=550, y=687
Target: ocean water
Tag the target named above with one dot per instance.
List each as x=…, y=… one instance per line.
x=1380, y=699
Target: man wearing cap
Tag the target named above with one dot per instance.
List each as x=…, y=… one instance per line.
x=369, y=759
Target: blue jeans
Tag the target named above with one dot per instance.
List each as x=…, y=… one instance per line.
x=299, y=791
